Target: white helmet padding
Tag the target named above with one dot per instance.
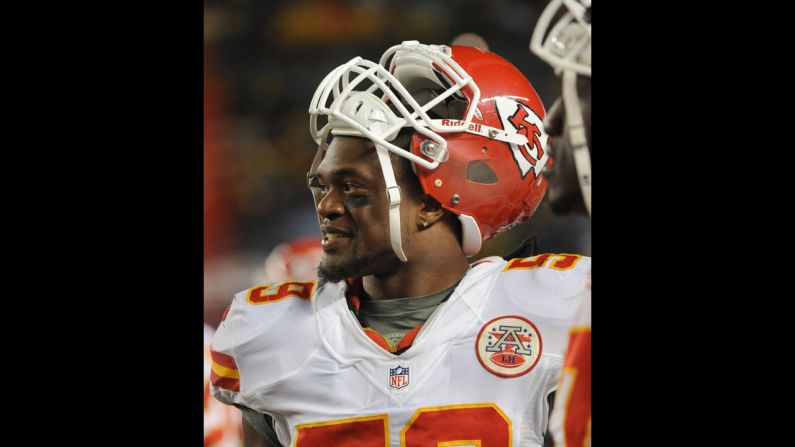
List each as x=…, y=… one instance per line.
x=471, y=239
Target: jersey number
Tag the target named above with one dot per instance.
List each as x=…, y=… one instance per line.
x=561, y=262
x=481, y=425
x=277, y=292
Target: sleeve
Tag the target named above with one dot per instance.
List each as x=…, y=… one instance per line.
x=224, y=373
x=222, y=424
x=266, y=335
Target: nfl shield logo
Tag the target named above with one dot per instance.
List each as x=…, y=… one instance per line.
x=398, y=377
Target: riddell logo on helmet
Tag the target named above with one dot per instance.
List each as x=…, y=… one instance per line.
x=474, y=127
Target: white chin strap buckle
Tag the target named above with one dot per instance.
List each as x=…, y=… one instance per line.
x=393, y=193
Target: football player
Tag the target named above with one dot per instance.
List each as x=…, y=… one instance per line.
x=562, y=37
x=421, y=157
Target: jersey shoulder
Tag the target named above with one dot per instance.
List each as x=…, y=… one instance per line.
x=541, y=283
x=552, y=275
x=543, y=289
x=265, y=335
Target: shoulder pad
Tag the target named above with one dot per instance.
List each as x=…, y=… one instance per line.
x=266, y=335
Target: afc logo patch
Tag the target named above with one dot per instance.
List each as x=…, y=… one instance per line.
x=398, y=377
x=509, y=346
x=520, y=118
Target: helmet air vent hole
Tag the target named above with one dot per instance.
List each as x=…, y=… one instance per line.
x=479, y=172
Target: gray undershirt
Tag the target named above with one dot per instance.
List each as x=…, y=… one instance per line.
x=393, y=318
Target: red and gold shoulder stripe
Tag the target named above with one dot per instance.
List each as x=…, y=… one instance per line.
x=224, y=373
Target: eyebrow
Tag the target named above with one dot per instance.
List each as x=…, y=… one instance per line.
x=342, y=172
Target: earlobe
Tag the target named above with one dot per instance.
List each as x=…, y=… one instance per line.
x=430, y=213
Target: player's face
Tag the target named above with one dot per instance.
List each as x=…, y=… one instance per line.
x=352, y=206
x=563, y=193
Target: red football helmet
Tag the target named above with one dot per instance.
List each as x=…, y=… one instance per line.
x=479, y=146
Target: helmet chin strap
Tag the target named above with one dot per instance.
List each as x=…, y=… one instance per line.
x=393, y=195
x=392, y=192
x=582, y=157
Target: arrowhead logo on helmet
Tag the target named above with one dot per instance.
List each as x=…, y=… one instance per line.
x=526, y=122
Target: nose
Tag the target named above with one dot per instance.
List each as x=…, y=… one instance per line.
x=329, y=205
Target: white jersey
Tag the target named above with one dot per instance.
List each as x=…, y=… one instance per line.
x=478, y=372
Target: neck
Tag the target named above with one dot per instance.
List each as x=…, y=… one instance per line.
x=427, y=271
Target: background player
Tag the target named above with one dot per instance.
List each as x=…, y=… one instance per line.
x=562, y=37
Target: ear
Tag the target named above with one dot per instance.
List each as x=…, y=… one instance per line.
x=430, y=212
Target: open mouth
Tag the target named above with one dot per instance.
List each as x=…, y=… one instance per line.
x=333, y=237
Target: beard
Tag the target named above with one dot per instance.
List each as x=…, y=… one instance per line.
x=355, y=265
x=339, y=272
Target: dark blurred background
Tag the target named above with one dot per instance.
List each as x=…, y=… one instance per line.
x=262, y=63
